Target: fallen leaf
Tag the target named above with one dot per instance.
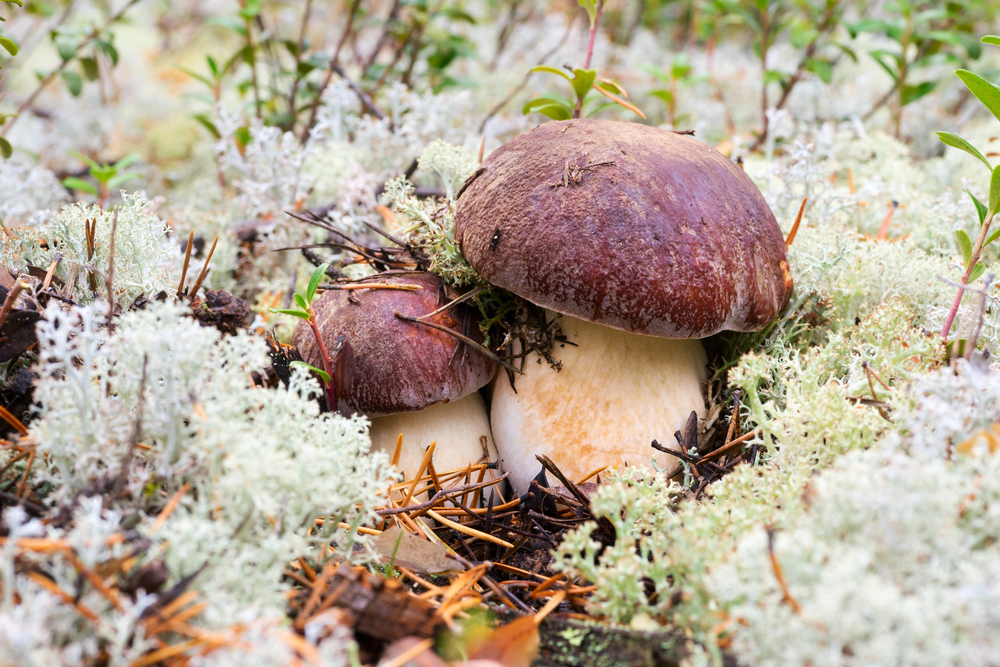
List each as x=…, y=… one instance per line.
x=412, y=553
x=512, y=645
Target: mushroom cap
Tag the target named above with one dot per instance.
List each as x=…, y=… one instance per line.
x=628, y=226
x=387, y=365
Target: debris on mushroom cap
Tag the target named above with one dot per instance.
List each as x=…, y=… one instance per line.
x=626, y=225
x=387, y=365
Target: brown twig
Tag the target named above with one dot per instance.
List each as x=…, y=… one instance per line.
x=482, y=349
x=187, y=261
x=204, y=269
x=795, y=225
x=779, y=574
x=8, y=303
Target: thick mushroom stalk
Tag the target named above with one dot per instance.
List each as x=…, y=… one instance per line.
x=406, y=376
x=461, y=429
x=631, y=228
x=615, y=394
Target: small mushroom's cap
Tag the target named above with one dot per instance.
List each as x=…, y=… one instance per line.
x=388, y=365
x=628, y=226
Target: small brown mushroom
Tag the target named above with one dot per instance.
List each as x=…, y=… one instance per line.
x=407, y=377
x=645, y=241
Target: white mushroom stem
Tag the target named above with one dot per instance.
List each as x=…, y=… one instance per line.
x=457, y=426
x=615, y=394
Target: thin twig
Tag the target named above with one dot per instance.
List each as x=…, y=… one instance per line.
x=440, y=496
x=8, y=303
x=110, y=276
x=187, y=261
x=204, y=269
x=779, y=574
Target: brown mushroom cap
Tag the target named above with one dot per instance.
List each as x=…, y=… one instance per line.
x=388, y=365
x=628, y=226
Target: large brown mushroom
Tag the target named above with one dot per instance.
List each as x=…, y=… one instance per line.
x=645, y=241
x=407, y=377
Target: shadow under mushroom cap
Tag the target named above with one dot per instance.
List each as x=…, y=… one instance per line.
x=387, y=365
x=626, y=225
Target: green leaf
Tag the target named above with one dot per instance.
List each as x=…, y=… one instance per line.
x=301, y=300
x=977, y=271
x=913, y=93
x=128, y=160
x=86, y=160
x=958, y=142
x=583, y=81
x=992, y=237
x=985, y=91
x=212, y=65
x=194, y=75
x=90, y=69
x=290, y=311
x=66, y=49
x=80, y=185
x=663, y=94
x=820, y=68
x=5, y=148
x=995, y=191
x=555, y=111
x=73, y=82
x=228, y=22
x=551, y=70
x=599, y=108
x=965, y=245
x=122, y=177
x=9, y=44
x=109, y=50
x=980, y=207
x=591, y=7
x=323, y=374
x=314, y=281
x=534, y=104
x=207, y=123
x=773, y=76
x=991, y=39
x=802, y=35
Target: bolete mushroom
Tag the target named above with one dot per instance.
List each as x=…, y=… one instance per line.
x=645, y=241
x=407, y=377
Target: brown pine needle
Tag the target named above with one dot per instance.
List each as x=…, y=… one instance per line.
x=168, y=510
x=482, y=149
x=13, y=421
x=51, y=587
x=360, y=286
x=883, y=231
x=471, y=532
x=850, y=179
x=420, y=471
x=397, y=450
x=779, y=574
x=51, y=272
x=8, y=303
x=27, y=471
x=187, y=261
x=204, y=269
x=550, y=606
x=728, y=447
x=409, y=654
x=795, y=225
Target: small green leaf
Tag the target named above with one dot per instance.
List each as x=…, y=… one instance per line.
x=90, y=69
x=820, y=68
x=290, y=311
x=93, y=166
x=122, y=177
x=207, y=123
x=73, y=82
x=80, y=185
x=555, y=111
x=991, y=39
x=551, y=70
x=301, y=300
x=5, y=148
x=958, y=142
x=980, y=207
x=109, y=50
x=314, y=281
x=194, y=75
x=913, y=93
x=230, y=22
x=802, y=35
x=323, y=374
x=773, y=76
x=995, y=191
x=591, y=7
x=9, y=44
x=991, y=238
x=66, y=49
x=583, y=81
x=965, y=245
x=128, y=160
x=977, y=271
x=985, y=91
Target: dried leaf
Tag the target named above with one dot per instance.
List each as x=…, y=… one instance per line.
x=512, y=645
x=412, y=553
